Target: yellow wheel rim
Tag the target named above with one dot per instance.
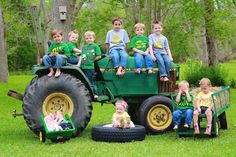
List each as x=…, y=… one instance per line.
x=58, y=102
x=159, y=117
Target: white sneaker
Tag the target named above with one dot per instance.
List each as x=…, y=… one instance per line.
x=186, y=125
x=175, y=127
x=95, y=96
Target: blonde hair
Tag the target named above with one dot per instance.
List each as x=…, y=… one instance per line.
x=139, y=25
x=89, y=33
x=56, y=31
x=157, y=22
x=183, y=83
x=205, y=82
x=71, y=32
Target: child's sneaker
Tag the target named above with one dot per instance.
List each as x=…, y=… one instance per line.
x=175, y=127
x=95, y=96
x=186, y=125
x=196, y=129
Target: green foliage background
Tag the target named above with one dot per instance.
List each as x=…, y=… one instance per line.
x=183, y=25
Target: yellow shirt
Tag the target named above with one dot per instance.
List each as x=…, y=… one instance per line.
x=204, y=99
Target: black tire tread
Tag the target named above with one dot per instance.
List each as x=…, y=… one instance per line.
x=112, y=134
x=32, y=110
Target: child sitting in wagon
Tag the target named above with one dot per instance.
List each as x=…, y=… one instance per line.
x=204, y=105
x=184, y=101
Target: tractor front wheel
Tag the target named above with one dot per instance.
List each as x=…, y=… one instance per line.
x=66, y=94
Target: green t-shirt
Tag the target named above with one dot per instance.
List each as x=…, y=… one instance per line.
x=139, y=42
x=71, y=47
x=89, y=53
x=61, y=48
x=184, y=104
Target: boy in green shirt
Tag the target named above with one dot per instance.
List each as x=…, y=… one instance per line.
x=90, y=53
x=139, y=45
x=184, y=105
x=74, y=51
x=58, y=53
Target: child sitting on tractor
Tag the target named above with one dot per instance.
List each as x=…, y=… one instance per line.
x=116, y=41
x=58, y=53
x=139, y=45
x=74, y=51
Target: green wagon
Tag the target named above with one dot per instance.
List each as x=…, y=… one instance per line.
x=221, y=101
x=56, y=136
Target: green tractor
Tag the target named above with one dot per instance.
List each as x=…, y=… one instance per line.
x=148, y=99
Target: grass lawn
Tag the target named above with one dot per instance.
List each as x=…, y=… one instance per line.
x=18, y=140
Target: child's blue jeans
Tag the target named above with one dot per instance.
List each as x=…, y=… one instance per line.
x=72, y=60
x=119, y=57
x=57, y=61
x=188, y=113
x=164, y=64
x=139, y=61
x=89, y=73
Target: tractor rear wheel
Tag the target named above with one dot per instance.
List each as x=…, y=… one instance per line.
x=66, y=94
x=155, y=114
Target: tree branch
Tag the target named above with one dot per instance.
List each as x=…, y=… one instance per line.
x=78, y=6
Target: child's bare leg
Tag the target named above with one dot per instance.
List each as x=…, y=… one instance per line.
x=119, y=71
x=195, y=122
x=58, y=72
x=209, y=121
x=51, y=72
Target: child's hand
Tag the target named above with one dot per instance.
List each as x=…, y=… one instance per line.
x=171, y=59
x=153, y=58
x=199, y=110
x=145, y=53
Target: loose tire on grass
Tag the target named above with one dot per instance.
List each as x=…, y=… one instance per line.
x=112, y=134
x=65, y=93
x=155, y=114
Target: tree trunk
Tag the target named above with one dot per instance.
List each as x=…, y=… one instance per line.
x=205, y=55
x=158, y=12
x=63, y=25
x=3, y=53
x=47, y=22
x=211, y=41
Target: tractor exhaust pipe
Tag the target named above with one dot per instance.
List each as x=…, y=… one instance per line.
x=15, y=95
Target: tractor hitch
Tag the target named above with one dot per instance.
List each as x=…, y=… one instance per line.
x=15, y=95
x=14, y=114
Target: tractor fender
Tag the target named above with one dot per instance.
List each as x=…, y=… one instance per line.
x=72, y=70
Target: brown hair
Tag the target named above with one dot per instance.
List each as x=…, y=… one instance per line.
x=157, y=22
x=90, y=33
x=56, y=31
x=139, y=25
x=117, y=19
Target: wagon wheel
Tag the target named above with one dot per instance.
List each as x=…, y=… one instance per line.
x=42, y=136
x=155, y=114
x=65, y=94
